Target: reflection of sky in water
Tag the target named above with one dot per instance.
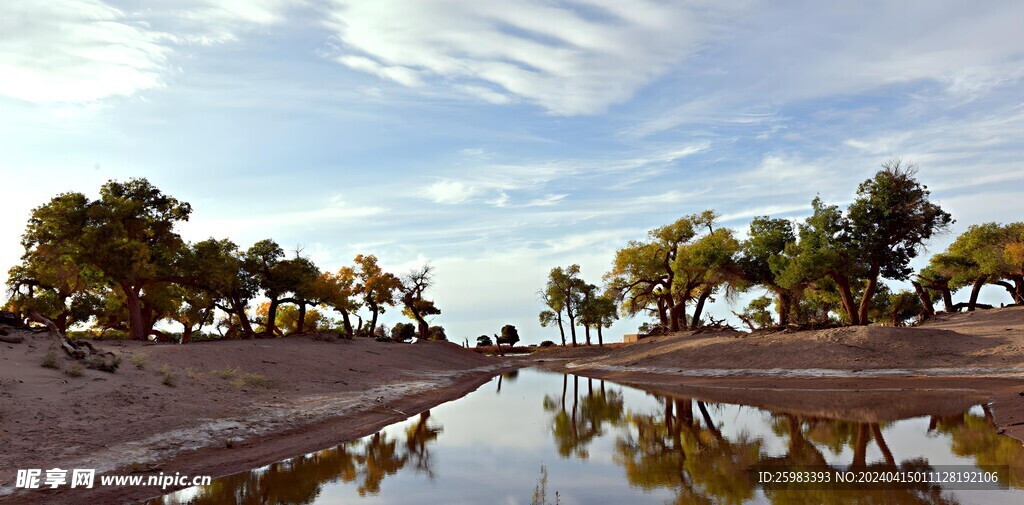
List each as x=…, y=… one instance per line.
x=493, y=444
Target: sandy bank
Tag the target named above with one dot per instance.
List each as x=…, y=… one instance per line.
x=271, y=399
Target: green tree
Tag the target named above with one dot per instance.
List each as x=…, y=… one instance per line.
x=437, y=333
x=219, y=268
x=484, y=341
x=509, y=336
x=127, y=235
x=554, y=300
x=565, y=287
x=762, y=256
x=263, y=261
x=890, y=221
x=402, y=332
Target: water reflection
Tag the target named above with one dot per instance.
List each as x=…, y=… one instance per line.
x=604, y=443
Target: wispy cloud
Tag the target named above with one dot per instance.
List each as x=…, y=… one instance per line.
x=576, y=57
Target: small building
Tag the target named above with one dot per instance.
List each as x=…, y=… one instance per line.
x=629, y=338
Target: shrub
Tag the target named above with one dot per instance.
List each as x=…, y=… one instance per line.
x=50, y=360
x=139, y=360
x=547, y=343
x=73, y=370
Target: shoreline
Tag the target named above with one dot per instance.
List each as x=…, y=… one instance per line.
x=867, y=398
x=279, y=444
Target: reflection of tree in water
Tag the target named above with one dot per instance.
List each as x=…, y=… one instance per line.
x=805, y=435
x=300, y=480
x=976, y=436
x=676, y=451
x=576, y=427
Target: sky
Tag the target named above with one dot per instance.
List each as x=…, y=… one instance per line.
x=496, y=140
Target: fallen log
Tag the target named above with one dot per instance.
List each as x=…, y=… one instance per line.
x=11, y=339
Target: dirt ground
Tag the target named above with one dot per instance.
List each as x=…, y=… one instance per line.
x=271, y=399
x=992, y=339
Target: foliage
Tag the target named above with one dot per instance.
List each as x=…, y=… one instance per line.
x=403, y=332
x=484, y=341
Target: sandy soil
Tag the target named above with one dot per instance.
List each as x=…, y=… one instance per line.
x=992, y=339
x=271, y=398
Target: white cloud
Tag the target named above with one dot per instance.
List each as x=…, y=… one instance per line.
x=450, y=192
x=76, y=51
x=80, y=51
x=576, y=57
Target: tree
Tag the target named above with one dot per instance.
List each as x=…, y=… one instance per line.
x=302, y=279
x=762, y=257
x=711, y=261
x=509, y=336
x=645, y=274
x=756, y=315
x=555, y=301
x=890, y=221
x=127, y=235
x=263, y=263
x=193, y=309
x=597, y=310
x=219, y=268
x=605, y=312
x=566, y=287
x=377, y=287
x=339, y=291
x=986, y=253
x=403, y=332
x=437, y=333
x=417, y=306
x=484, y=341
x=825, y=249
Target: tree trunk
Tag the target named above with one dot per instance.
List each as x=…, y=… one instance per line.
x=947, y=298
x=699, y=308
x=586, y=332
x=843, y=285
x=186, y=334
x=926, y=300
x=662, y=312
x=876, y=432
x=270, y=327
x=347, y=324
x=1018, y=284
x=1009, y=289
x=300, y=325
x=374, y=310
x=561, y=328
x=572, y=329
x=860, y=448
x=975, y=289
x=673, y=314
x=136, y=326
x=869, y=293
x=600, y=338
x=784, y=308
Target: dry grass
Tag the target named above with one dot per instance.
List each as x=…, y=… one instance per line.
x=73, y=370
x=50, y=361
x=239, y=379
x=170, y=379
x=139, y=360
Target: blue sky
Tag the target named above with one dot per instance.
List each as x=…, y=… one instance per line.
x=499, y=139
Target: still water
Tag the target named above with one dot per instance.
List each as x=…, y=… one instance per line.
x=599, y=442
